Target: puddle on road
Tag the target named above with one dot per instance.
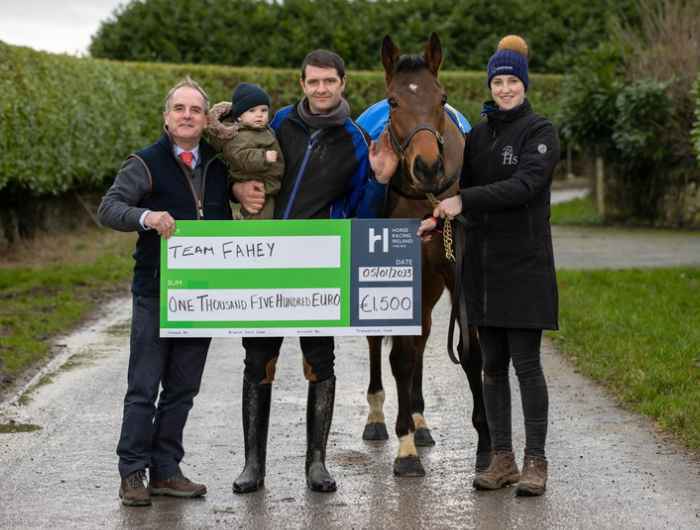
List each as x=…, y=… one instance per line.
x=351, y=458
x=226, y=509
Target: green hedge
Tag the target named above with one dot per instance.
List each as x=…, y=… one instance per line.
x=280, y=34
x=66, y=123
x=695, y=133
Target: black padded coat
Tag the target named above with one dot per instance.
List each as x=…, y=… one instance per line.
x=509, y=278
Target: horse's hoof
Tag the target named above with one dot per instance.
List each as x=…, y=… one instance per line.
x=423, y=438
x=483, y=459
x=408, y=466
x=375, y=432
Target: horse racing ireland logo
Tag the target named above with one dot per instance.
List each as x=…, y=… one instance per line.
x=509, y=159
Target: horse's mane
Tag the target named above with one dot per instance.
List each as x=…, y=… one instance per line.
x=410, y=63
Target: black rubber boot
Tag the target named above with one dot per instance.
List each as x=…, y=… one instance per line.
x=319, y=414
x=256, y=418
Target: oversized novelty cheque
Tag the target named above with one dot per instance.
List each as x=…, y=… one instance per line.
x=291, y=278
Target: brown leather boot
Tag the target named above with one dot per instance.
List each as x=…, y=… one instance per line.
x=533, y=480
x=177, y=486
x=501, y=472
x=133, y=491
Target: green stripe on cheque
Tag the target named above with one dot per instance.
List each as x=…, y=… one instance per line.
x=292, y=277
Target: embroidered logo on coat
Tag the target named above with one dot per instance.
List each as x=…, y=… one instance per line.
x=509, y=159
x=542, y=149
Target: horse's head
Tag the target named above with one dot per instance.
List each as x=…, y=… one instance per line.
x=417, y=116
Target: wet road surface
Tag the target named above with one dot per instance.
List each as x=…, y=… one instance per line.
x=607, y=467
x=577, y=247
x=620, y=248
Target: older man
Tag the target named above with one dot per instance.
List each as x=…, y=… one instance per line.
x=177, y=177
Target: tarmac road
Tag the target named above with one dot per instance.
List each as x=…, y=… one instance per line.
x=608, y=467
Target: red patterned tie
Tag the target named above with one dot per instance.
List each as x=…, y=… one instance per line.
x=187, y=158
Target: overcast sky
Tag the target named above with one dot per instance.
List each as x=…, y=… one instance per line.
x=62, y=26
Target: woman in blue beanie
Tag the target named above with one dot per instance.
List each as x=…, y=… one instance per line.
x=509, y=277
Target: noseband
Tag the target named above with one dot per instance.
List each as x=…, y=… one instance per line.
x=400, y=147
x=400, y=150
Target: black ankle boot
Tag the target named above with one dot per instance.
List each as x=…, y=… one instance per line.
x=256, y=418
x=319, y=414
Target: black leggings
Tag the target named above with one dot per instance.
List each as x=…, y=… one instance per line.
x=261, y=358
x=499, y=346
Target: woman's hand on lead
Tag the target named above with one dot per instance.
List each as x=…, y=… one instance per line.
x=448, y=208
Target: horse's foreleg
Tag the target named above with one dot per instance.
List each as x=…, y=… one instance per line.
x=423, y=436
x=403, y=359
x=375, y=428
x=432, y=290
x=470, y=359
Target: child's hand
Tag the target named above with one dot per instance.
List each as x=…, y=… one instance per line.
x=271, y=156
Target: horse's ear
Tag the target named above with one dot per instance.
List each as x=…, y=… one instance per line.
x=390, y=54
x=433, y=54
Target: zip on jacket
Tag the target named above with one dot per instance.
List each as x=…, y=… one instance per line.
x=199, y=200
x=300, y=173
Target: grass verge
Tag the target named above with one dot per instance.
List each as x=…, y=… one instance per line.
x=575, y=212
x=49, y=286
x=13, y=427
x=638, y=332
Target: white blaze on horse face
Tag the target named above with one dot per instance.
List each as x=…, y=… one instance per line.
x=413, y=87
x=407, y=446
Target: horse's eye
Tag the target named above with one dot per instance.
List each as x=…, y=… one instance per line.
x=393, y=103
x=444, y=99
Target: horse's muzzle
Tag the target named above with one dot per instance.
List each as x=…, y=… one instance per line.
x=428, y=177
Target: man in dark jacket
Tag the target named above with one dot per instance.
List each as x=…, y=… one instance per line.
x=327, y=175
x=177, y=177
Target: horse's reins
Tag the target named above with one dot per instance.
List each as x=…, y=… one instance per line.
x=459, y=304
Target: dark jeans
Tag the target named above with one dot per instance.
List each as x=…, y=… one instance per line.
x=499, y=346
x=261, y=357
x=151, y=436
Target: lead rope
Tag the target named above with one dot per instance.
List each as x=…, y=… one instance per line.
x=458, y=313
x=447, y=240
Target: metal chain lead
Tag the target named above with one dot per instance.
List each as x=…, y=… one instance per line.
x=446, y=232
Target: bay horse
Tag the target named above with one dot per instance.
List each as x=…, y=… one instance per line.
x=430, y=148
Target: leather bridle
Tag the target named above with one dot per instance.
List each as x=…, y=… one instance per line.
x=400, y=147
x=458, y=313
x=400, y=150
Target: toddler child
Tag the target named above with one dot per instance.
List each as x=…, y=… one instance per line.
x=248, y=144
